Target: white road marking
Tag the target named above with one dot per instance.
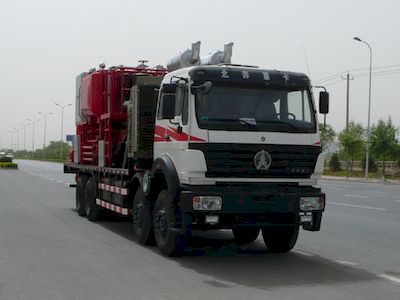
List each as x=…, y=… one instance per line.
x=356, y=196
x=29, y=172
x=376, y=192
x=336, y=188
x=44, y=177
x=357, y=206
x=302, y=253
x=390, y=277
x=344, y=262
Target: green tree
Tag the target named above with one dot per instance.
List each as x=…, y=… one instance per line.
x=327, y=135
x=334, y=163
x=352, y=141
x=384, y=141
x=53, y=151
x=397, y=154
x=22, y=154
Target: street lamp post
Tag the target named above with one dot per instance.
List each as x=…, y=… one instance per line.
x=2, y=140
x=13, y=145
x=33, y=134
x=11, y=140
x=24, y=127
x=62, y=126
x=17, y=143
x=18, y=133
x=369, y=107
x=44, y=135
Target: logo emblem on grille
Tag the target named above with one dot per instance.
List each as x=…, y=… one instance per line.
x=262, y=160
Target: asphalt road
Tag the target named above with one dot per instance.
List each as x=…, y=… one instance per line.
x=48, y=252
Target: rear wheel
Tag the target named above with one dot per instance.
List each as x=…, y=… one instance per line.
x=93, y=211
x=245, y=235
x=280, y=239
x=142, y=220
x=169, y=240
x=80, y=195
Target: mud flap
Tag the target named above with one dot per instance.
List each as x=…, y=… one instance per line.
x=315, y=225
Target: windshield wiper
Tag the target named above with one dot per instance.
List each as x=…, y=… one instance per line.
x=243, y=121
x=280, y=122
x=219, y=120
x=248, y=121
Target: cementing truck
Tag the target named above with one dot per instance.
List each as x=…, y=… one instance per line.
x=204, y=144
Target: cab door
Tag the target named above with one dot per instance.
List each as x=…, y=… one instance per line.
x=171, y=134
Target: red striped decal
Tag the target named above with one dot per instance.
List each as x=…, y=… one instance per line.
x=161, y=133
x=173, y=133
x=113, y=207
x=196, y=139
x=113, y=189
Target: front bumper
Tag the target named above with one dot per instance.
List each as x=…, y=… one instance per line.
x=251, y=205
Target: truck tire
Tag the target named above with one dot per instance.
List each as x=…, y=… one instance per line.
x=245, y=235
x=142, y=219
x=80, y=203
x=170, y=241
x=93, y=211
x=280, y=239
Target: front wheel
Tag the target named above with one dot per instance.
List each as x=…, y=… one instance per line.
x=169, y=240
x=245, y=235
x=280, y=239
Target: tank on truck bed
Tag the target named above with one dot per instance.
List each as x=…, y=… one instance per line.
x=103, y=99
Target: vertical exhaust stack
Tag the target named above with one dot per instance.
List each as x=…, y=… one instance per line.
x=218, y=57
x=187, y=58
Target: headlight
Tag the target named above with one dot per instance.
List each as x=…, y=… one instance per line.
x=207, y=203
x=312, y=203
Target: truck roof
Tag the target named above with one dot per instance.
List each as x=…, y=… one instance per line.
x=242, y=74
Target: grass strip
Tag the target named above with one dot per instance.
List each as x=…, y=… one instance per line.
x=8, y=165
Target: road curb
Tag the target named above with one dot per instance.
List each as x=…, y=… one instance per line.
x=362, y=180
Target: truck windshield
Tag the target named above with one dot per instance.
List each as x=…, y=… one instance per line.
x=260, y=109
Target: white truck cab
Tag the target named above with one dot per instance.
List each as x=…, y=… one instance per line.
x=239, y=124
x=245, y=148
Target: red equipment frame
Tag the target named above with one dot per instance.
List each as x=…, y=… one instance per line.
x=111, y=125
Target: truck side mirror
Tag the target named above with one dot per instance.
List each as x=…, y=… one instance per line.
x=323, y=102
x=169, y=88
x=168, y=106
